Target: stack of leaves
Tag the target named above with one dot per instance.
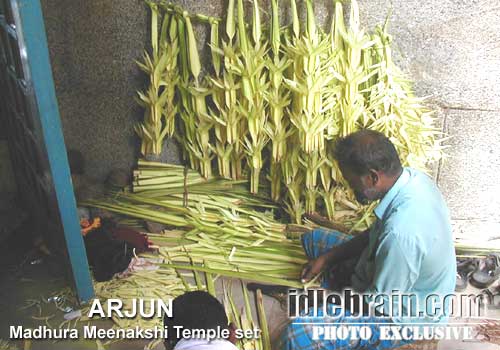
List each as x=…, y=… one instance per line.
x=277, y=96
x=216, y=225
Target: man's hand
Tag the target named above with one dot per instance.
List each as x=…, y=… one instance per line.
x=313, y=268
x=346, y=250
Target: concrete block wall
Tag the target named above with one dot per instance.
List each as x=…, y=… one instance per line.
x=450, y=48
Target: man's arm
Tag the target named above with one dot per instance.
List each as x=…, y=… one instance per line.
x=347, y=250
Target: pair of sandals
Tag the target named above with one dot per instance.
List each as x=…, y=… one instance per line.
x=481, y=273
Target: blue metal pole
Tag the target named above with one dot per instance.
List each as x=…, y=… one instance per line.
x=33, y=32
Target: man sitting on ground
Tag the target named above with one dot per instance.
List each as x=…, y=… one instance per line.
x=198, y=311
x=408, y=249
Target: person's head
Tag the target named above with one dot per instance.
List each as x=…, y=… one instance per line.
x=369, y=162
x=196, y=310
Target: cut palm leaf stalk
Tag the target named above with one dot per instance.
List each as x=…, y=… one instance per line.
x=139, y=212
x=278, y=100
x=197, y=278
x=352, y=106
x=154, y=176
x=158, y=100
x=266, y=339
x=291, y=39
x=248, y=307
x=311, y=81
x=210, y=282
x=201, y=148
x=187, y=132
x=242, y=261
x=232, y=83
x=235, y=274
x=243, y=319
x=186, y=285
x=168, y=183
x=232, y=313
x=250, y=67
x=328, y=170
x=223, y=93
x=228, y=107
x=191, y=94
x=313, y=99
x=247, y=321
x=348, y=44
x=171, y=76
x=214, y=45
x=222, y=147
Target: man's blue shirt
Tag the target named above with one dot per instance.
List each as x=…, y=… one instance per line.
x=411, y=246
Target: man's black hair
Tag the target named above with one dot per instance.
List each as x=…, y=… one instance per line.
x=195, y=310
x=367, y=149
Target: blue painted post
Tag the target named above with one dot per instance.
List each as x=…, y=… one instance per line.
x=33, y=32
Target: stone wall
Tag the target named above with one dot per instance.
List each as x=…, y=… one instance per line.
x=450, y=48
